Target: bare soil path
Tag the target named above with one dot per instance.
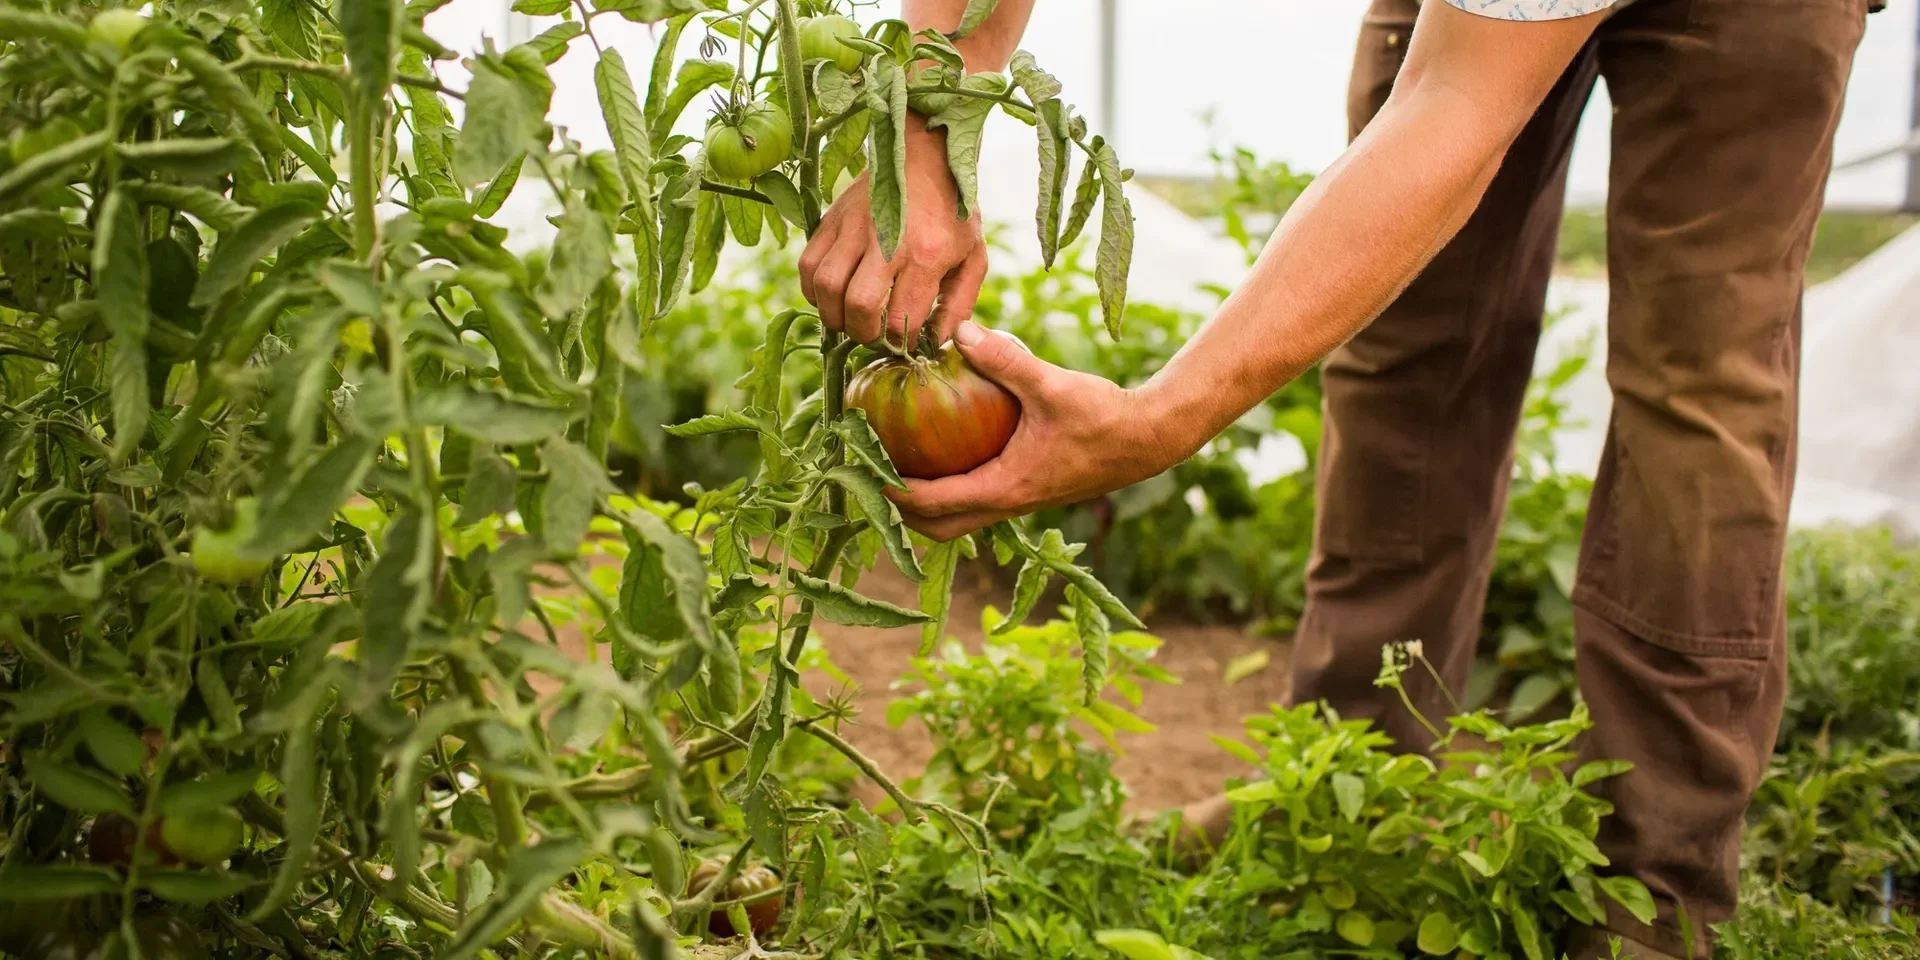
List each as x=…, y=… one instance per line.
x=1176, y=764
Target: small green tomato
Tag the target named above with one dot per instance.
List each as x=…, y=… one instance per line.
x=221, y=555
x=117, y=27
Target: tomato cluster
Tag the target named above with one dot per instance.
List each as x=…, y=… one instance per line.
x=203, y=837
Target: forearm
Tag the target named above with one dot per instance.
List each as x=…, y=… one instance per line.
x=1342, y=253
x=988, y=48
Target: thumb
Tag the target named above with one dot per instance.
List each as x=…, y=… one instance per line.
x=1001, y=357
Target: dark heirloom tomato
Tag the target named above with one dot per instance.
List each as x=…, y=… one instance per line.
x=755, y=878
x=935, y=417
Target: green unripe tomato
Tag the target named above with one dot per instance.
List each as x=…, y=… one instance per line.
x=117, y=27
x=820, y=40
x=760, y=139
x=221, y=555
x=204, y=837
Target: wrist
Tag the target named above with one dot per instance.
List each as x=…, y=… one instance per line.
x=1165, y=422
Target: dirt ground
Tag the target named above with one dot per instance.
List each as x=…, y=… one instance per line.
x=1174, y=765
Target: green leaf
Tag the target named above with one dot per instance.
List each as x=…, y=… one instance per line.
x=394, y=601
x=29, y=884
x=1477, y=862
x=490, y=200
x=530, y=873
x=1533, y=693
x=488, y=490
x=625, y=122
x=854, y=430
x=488, y=415
x=1438, y=935
x=371, y=29
x=724, y=422
x=964, y=119
x=1115, y=254
x=81, y=791
x=843, y=606
x=200, y=158
x=120, y=283
x=936, y=591
x=881, y=514
x=1631, y=894
x=785, y=197
x=233, y=260
x=1355, y=927
x=1350, y=792
x=552, y=44
x=665, y=55
x=971, y=18
x=214, y=210
x=1083, y=197
x=1600, y=770
x=1244, y=666
x=494, y=137
x=694, y=77
x=45, y=166
x=835, y=88
x=1027, y=588
x=194, y=887
x=887, y=100
x=295, y=23
x=302, y=791
x=1132, y=944
x=113, y=746
x=304, y=507
x=744, y=218
x=842, y=150
x=575, y=483
x=1095, y=641
x=709, y=237
x=19, y=23
x=679, y=201
x=1053, y=177
x=582, y=257
x=219, y=790
x=232, y=97
x=680, y=559
x=1084, y=580
x=542, y=8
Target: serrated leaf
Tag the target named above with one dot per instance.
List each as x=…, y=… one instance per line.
x=490, y=416
x=680, y=560
x=200, y=158
x=679, y=201
x=120, y=283
x=232, y=97
x=881, y=514
x=1095, y=643
x=842, y=150
x=723, y=422
x=234, y=258
x=575, y=483
x=529, y=875
x=395, y=598
x=45, y=166
x=493, y=137
x=113, y=745
x=975, y=14
x=936, y=591
x=709, y=237
x=835, y=88
x=81, y=791
x=785, y=197
x=214, y=210
x=552, y=44
x=964, y=119
x=488, y=490
x=304, y=508
x=626, y=123
x=31, y=884
x=1084, y=196
x=489, y=201
x=887, y=98
x=582, y=257
x=1114, y=257
x=694, y=76
x=1053, y=177
x=854, y=430
x=843, y=606
x=1027, y=588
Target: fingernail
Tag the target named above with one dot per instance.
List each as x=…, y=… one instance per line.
x=969, y=334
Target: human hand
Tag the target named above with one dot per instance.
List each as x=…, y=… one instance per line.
x=860, y=292
x=1079, y=436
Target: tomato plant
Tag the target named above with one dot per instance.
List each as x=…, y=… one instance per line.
x=309, y=537
x=755, y=888
x=935, y=416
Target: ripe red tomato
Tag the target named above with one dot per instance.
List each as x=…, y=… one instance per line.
x=935, y=417
x=744, y=147
x=754, y=879
x=110, y=841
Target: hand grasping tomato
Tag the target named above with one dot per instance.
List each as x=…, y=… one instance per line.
x=1079, y=436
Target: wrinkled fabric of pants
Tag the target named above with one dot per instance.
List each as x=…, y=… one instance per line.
x=1722, y=133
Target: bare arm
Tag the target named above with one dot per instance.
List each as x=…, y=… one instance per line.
x=988, y=48
x=1347, y=247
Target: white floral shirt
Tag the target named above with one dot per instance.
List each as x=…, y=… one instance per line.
x=1532, y=9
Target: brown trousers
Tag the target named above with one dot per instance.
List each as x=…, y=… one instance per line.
x=1724, y=112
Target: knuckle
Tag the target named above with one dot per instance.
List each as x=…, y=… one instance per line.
x=864, y=303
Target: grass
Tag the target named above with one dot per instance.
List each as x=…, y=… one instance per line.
x=1842, y=239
